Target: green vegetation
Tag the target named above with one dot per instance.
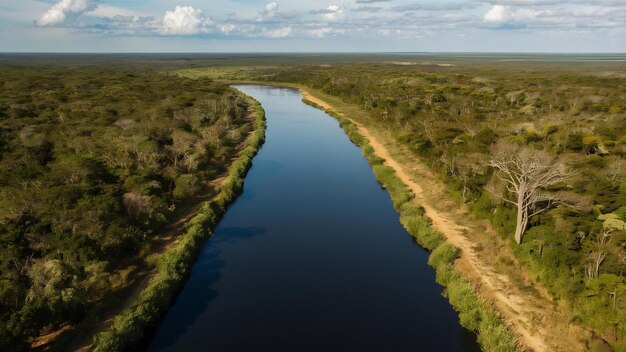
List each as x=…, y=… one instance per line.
x=129, y=327
x=572, y=117
x=475, y=313
x=94, y=162
x=96, y=156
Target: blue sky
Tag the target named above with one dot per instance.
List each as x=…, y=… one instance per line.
x=313, y=26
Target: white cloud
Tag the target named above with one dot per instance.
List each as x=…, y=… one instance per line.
x=320, y=32
x=323, y=32
x=134, y=25
x=332, y=13
x=184, y=20
x=500, y=14
x=226, y=28
x=271, y=8
x=277, y=33
x=268, y=11
x=66, y=10
x=416, y=19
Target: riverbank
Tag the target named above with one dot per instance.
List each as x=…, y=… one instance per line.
x=132, y=325
x=485, y=262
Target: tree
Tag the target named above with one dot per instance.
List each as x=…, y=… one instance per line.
x=526, y=174
x=598, y=252
x=468, y=168
x=183, y=143
x=616, y=172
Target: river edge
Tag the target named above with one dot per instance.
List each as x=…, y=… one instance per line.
x=525, y=307
x=472, y=306
x=134, y=325
x=475, y=312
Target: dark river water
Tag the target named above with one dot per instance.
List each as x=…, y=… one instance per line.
x=311, y=257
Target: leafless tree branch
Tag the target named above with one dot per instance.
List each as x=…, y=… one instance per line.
x=525, y=173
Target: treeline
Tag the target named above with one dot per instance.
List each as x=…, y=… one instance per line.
x=94, y=161
x=130, y=328
x=455, y=119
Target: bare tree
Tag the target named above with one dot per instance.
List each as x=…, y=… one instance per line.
x=526, y=173
x=597, y=255
x=616, y=172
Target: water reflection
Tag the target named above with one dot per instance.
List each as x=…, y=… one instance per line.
x=311, y=257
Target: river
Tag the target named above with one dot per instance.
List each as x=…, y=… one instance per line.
x=311, y=256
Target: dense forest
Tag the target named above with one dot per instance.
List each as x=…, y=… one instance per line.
x=94, y=162
x=474, y=124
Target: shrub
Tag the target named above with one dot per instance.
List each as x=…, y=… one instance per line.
x=444, y=254
x=413, y=219
x=400, y=194
x=575, y=142
x=186, y=186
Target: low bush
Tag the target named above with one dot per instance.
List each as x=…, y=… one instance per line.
x=444, y=254
x=413, y=219
x=400, y=194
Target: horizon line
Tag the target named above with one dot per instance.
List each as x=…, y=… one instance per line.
x=324, y=52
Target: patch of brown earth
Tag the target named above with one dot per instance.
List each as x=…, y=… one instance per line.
x=485, y=258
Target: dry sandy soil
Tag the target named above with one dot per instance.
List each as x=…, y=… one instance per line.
x=486, y=259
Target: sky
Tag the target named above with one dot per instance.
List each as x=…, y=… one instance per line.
x=313, y=26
